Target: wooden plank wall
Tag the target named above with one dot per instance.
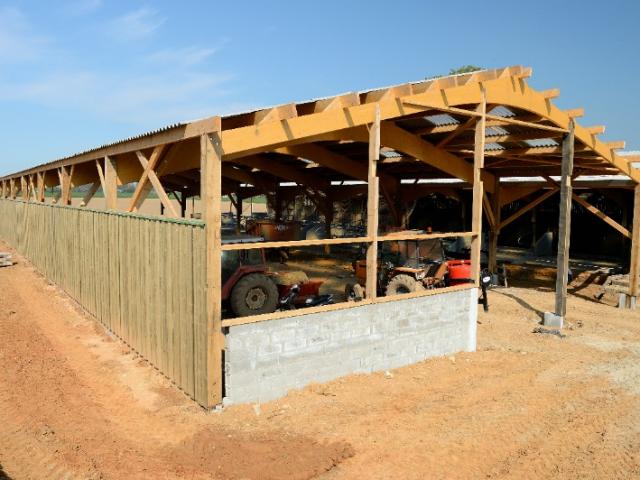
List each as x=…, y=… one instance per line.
x=143, y=278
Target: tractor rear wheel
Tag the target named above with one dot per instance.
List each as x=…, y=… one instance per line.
x=254, y=294
x=403, y=283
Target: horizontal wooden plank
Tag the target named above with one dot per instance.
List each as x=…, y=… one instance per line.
x=232, y=322
x=423, y=236
x=295, y=243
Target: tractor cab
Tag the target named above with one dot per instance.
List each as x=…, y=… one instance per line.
x=247, y=286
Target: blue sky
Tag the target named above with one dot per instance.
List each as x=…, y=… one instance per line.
x=75, y=74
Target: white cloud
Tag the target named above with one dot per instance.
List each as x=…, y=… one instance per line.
x=147, y=99
x=18, y=42
x=136, y=24
x=162, y=87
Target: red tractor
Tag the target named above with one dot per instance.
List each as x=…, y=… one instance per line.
x=247, y=286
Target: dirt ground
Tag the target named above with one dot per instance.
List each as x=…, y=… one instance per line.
x=75, y=404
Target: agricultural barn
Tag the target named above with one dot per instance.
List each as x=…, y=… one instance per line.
x=156, y=281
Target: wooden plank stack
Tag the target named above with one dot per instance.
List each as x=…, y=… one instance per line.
x=5, y=259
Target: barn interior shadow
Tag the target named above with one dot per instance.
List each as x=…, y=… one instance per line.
x=3, y=474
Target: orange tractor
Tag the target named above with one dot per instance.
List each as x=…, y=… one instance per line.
x=427, y=270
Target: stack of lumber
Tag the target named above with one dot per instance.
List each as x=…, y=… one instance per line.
x=5, y=259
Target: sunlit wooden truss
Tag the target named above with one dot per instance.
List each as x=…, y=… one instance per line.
x=427, y=130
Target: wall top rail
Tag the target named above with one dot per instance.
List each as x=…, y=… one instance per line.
x=117, y=213
x=295, y=243
x=232, y=322
x=423, y=236
x=348, y=240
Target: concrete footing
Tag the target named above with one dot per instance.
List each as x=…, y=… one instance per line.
x=264, y=360
x=553, y=320
x=627, y=301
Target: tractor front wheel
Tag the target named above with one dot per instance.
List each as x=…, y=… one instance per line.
x=254, y=294
x=403, y=283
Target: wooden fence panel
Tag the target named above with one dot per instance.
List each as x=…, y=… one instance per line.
x=141, y=277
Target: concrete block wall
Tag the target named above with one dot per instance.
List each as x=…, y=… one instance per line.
x=264, y=360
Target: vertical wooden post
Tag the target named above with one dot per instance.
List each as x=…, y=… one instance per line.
x=564, y=227
x=110, y=183
x=495, y=229
x=328, y=221
x=211, y=195
x=41, y=186
x=24, y=189
x=534, y=227
x=478, y=191
x=183, y=204
x=372, y=207
x=238, y=213
x=65, y=184
x=634, y=269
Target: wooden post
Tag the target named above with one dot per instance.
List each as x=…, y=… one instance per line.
x=41, y=187
x=478, y=191
x=211, y=195
x=634, y=269
x=238, y=213
x=111, y=183
x=534, y=227
x=24, y=189
x=564, y=230
x=328, y=220
x=183, y=204
x=495, y=229
x=372, y=208
x=90, y=193
x=65, y=184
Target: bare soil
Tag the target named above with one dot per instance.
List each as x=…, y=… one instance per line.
x=75, y=403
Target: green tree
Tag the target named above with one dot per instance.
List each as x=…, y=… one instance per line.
x=464, y=69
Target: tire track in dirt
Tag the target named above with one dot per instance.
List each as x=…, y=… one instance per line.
x=23, y=456
x=68, y=412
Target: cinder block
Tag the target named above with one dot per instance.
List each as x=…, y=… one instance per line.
x=324, y=346
x=553, y=320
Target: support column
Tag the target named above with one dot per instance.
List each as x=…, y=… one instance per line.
x=495, y=229
x=183, y=203
x=634, y=268
x=41, y=186
x=373, y=185
x=478, y=191
x=534, y=227
x=238, y=213
x=556, y=319
x=211, y=195
x=24, y=189
x=110, y=183
x=12, y=188
x=65, y=184
x=328, y=220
